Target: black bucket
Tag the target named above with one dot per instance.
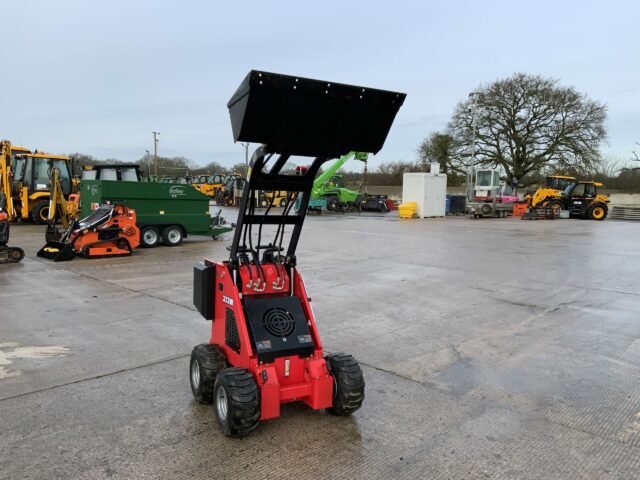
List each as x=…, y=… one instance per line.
x=315, y=118
x=57, y=251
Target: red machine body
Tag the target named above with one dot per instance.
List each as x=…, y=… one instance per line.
x=286, y=379
x=265, y=349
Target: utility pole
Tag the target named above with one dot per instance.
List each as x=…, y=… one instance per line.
x=246, y=157
x=155, y=153
x=149, y=165
x=472, y=161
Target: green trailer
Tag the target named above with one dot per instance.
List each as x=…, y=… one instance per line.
x=166, y=213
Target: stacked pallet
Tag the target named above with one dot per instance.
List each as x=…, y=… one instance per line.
x=625, y=213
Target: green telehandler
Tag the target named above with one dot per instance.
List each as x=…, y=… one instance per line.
x=330, y=188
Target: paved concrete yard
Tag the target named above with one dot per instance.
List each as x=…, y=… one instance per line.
x=490, y=348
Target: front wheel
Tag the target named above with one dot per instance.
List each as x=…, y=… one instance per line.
x=40, y=212
x=597, y=212
x=236, y=401
x=555, y=207
x=348, y=384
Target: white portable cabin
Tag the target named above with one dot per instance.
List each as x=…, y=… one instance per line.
x=428, y=190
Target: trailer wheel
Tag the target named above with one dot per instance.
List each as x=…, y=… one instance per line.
x=206, y=362
x=40, y=212
x=236, y=401
x=149, y=237
x=172, y=236
x=348, y=384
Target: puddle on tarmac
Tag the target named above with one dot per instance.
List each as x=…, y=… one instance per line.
x=9, y=352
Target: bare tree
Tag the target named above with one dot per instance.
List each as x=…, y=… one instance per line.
x=438, y=147
x=527, y=124
x=634, y=159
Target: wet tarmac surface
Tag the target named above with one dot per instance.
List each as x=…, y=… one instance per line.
x=494, y=348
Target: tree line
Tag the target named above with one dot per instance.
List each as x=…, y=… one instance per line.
x=526, y=125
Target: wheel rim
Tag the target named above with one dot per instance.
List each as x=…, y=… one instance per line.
x=195, y=374
x=221, y=404
x=174, y=235
x=150, y=237
x=598, y=212
x=44, y=214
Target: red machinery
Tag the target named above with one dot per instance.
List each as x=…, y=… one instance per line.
x=265, y=348
x=108, y=231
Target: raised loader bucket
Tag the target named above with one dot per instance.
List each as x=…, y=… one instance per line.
x=315, y=118
x=57, y=251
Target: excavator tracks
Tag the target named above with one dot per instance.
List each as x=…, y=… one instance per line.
x=11, y=255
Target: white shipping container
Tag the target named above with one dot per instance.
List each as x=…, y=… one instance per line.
x=428, y=190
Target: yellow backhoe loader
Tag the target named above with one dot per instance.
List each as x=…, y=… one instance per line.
x=8, y=154
x=556, y=184
x=31, y=188
x=208, y=184
x=61, y=209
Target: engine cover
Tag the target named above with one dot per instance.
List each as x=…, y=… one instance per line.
x=278, y=327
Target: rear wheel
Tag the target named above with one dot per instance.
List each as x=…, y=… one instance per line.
x=236, y=401
x=206, y=362
x=597, y=212
x=40, y=212
x=283, y=202
x=172, y=236
x=348, y=384
x=149, y=237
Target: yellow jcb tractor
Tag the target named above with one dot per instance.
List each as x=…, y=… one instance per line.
x=31, y=184
x=274, y=198
x=8, y=154
x=582, y=200
x=556, y=184
x=208, y=184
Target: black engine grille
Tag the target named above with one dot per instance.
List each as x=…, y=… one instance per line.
x=278, y=327
x=278, y=322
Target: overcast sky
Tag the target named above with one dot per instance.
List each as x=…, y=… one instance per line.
x=98, y=77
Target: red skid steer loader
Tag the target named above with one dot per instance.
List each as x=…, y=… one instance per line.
x=108, y=231
x=265, y=347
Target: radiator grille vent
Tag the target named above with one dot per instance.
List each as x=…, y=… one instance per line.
x=278, y=322
x=231, y=336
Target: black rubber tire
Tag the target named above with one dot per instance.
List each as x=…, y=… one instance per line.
x=242, y=399
x=348, y=383
x=167, y=238
x=16, y=254
x=38, y=210
x=283, y=202
x=210, y=361
x=555, y=205
x=147, y=243
x=333, y=204
x=593, y=207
